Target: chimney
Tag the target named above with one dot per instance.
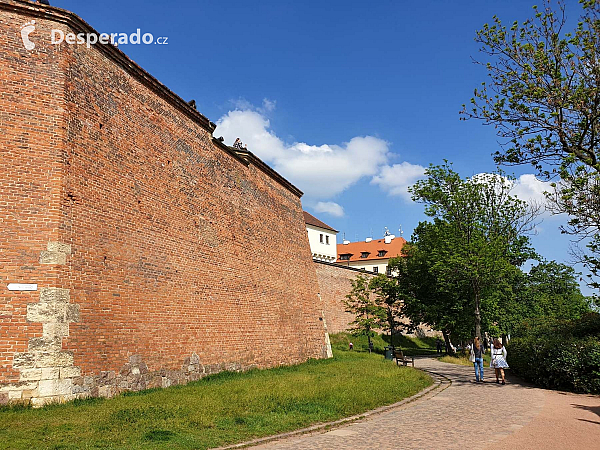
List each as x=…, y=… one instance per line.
x=346, y=242
x=369, y=239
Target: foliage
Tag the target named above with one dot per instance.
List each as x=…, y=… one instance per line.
x=388, y=297
x=478, y=237
x=426, y=298
x=340, y=342
x=552, y=290
x=549, y=290
x=559, y=354
x=218, y=410
x=410, y=345
x=543, y=96
x=368, y=314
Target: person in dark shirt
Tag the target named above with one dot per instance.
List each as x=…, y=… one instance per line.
x=477, y=358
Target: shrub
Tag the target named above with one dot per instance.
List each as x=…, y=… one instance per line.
x=559, y=354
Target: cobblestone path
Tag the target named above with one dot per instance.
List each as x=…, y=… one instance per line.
x=460, y=414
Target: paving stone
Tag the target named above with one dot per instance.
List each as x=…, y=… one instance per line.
x=443, y=420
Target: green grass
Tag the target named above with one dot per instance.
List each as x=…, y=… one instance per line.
x=218, y=410
x=463, y=360
x=410, y=346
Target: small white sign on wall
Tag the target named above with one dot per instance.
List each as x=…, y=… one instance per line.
x=22, y=287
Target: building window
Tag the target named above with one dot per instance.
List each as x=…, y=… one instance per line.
x=321, y=238
x=364, y=254
x=375, y=269
x=327, y=240
x=381, y=253
x=345, y=257
x=388, y=271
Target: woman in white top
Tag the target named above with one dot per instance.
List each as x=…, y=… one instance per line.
x=498, y=361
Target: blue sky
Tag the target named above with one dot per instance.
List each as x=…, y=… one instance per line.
x=349, y=100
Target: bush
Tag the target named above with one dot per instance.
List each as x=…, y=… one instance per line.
x=559, y=354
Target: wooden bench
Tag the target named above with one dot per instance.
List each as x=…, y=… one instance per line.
x=400, y=358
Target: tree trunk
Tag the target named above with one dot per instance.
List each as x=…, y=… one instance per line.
x=392, y=328
x=449, y=350
x=477, y=315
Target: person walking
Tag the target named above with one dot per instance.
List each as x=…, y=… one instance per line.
x=476, y=358
x=498, y=361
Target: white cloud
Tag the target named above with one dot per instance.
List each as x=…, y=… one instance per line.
x=528, y=188
x=321, y=171
x=268, y=105
x=396, y=179
x=331, y=208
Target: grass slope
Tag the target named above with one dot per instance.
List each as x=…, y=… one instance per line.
x=463, y=360
x=410, y=346
x=217, y=410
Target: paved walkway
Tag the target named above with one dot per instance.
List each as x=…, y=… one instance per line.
x=464, y=414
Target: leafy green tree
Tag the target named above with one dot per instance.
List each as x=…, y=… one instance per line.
x=388, y=296
x=485, y=226
x=368, y=314
x=549, y=291
x=429, y=296
x=543, y=97
x=553, y=291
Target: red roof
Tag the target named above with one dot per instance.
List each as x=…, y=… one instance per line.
x=309, y=219
x=356, y=249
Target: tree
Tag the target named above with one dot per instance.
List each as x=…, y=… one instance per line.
x=485, y=224
x=428, y=296
x=549, y=291
x=388, y=296
x=552, y=291
x=544, y=98
x=368, y=315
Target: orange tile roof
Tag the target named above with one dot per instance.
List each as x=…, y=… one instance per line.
x=309, y=219
x=392, y=249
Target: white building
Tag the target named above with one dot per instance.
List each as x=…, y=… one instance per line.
x=322, y=239
x=371, y=255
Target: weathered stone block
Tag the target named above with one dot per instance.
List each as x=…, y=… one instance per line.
x=59, y=247
x=58, y=387
x=24, y=361
x=30, y=393
x=31, y=374
x=47, y=312
x=106, y=391
x=70, y=372
x=15, y=395
x=20, y=386
x=58, y=359
x=53, y=330
x=4, y=398
x=43, y=344
x=58, y=258
x=38, y=402
x=52, y=294
x=50, y=373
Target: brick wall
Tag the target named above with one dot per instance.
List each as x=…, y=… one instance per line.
x=160, y=255
x=335, y=282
